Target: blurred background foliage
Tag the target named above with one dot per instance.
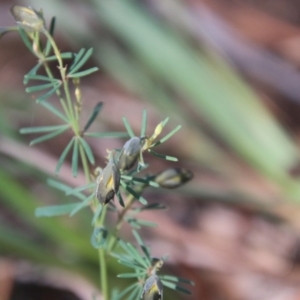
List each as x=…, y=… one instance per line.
x=228, y=73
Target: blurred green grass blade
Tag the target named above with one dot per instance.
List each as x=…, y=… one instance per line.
x=18, y=198
x=144, y=123
x=55, y=210
x=176, y=287
x=87, y=150
x=107, y=134
x=29, y=130
x=128, y=127
x=49, y=136
x=229, y=108
x=83, y=73
x=93, y=116
x=80, y=62
x=75, y=158
x=63, y=156
x=54, y=110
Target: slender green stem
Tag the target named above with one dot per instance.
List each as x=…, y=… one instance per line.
x=62, y=70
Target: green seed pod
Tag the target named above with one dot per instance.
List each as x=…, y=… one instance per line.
x=173, y=178
x=130, y=153
x=29, y=19
x=108, y=182
x=153, y=289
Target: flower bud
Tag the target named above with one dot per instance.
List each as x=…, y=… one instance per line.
x=153, y=288
x=130, y=153
x=108, y=182
x=173, y=178
x=28, y=18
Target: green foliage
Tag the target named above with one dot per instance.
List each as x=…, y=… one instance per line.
x=122, y=168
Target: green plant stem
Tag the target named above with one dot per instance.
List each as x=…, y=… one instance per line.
x=102, y=260
x=62, y=70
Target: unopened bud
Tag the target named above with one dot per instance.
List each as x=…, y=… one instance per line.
x=173, y=178
x=108, y=182
x=130, y=153
x=28, y=18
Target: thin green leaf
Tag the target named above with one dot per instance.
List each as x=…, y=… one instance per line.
x=93, y=116
x=87, y=150
x=166, y=157
x=55, y=210
x=49, y=136
x=140, y=222
x=4, y=30
x=83, y=73
x=77, y=58
x=131, y=275
x=176, y=287
x=143, y=246
x=141, y=180
x=126, y=291
x=107, y=134
x=121, y=201
x=131, y=264
x=82, y=61
x=83, y=204
x=58, y=185
x=152, y=206
x=81, y=188
x=48, y=94
x=41, y=87
x=33, y=76
x=128, y=127
x=51, y=31
x=97, y=213
x=63, y=156
x=31, y=73
x=75, y=158
x=25, y=39
x=137, y=256
x=165, y=138
x=29, y=130
x=133, y=193
x=54, y=110
x=144, y=123
x=135, y=293
x=176, y=279
x=64, y=55
x=99, y=237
